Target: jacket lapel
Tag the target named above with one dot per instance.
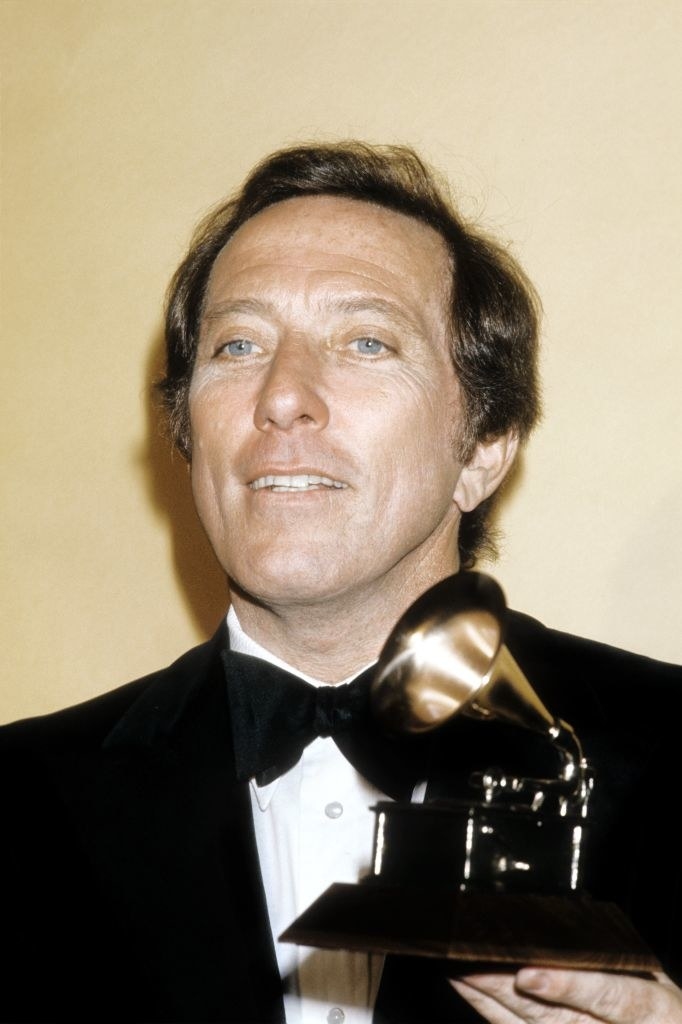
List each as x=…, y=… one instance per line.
x=170, y=835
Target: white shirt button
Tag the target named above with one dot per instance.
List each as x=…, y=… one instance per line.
x=336, y=1015
x=334, y=810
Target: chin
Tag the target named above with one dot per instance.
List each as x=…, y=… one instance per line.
x=289, y=580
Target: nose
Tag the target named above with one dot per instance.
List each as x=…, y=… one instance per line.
x=291, y=394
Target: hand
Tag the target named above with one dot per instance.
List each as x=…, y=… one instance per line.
x=551, y=996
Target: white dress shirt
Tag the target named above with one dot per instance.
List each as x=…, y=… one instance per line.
x=314, y=827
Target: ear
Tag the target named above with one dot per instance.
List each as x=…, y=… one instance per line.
x=485, y=471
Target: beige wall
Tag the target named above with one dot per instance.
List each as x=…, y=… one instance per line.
x=123, y=121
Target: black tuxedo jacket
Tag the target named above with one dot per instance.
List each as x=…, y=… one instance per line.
x=131, y=885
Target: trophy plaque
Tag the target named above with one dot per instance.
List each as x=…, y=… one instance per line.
x=494, y=878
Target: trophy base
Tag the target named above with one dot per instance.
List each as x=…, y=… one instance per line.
x=473, y=926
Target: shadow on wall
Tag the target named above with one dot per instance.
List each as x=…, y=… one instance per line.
x=200, y=577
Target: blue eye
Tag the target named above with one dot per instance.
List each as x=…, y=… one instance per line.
x=240, y=347
x=369, y=346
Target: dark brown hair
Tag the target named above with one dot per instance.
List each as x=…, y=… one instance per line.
x=495, y=309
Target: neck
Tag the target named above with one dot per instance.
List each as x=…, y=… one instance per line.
x=334, y=638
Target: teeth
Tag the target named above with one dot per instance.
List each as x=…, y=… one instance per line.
x=301, y=482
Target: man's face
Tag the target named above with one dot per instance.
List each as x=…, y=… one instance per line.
x=324, y=407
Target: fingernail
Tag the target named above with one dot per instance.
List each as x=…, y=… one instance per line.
x=531, y=980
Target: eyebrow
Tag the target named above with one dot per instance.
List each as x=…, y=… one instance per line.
x=348, y=304
x=374, y=304
x=232, y=306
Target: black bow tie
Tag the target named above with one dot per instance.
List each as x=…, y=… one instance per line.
x=275, y=715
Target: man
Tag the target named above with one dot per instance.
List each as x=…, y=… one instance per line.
x=350, y=373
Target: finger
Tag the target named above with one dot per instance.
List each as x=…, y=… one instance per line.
x=489, y=1007
x=611, y=998
x=496, y=998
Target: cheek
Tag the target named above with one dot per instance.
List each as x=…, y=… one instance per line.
x=415, y=470
x=206, y=410
x=426, y=426
x=217, y=400
x=217, y=421
x=211, y=455
x=205, y=494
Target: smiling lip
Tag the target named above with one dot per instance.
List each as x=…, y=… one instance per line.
x=296, y=483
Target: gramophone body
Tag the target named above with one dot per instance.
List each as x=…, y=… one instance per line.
x=495, y=877
x=474, y=846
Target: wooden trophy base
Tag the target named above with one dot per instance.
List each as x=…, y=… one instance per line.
x=484, y=927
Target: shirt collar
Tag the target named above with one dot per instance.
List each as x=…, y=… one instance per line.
x=244, y=644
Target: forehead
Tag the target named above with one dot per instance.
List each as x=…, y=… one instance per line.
x=341, y=242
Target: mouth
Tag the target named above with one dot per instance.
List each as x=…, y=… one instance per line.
x=296, y=483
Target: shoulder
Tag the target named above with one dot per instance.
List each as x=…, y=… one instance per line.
x=88, y=724
x=587, y=678
x=550, y=651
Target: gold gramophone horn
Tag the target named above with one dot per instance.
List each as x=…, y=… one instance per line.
x=446, y=655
